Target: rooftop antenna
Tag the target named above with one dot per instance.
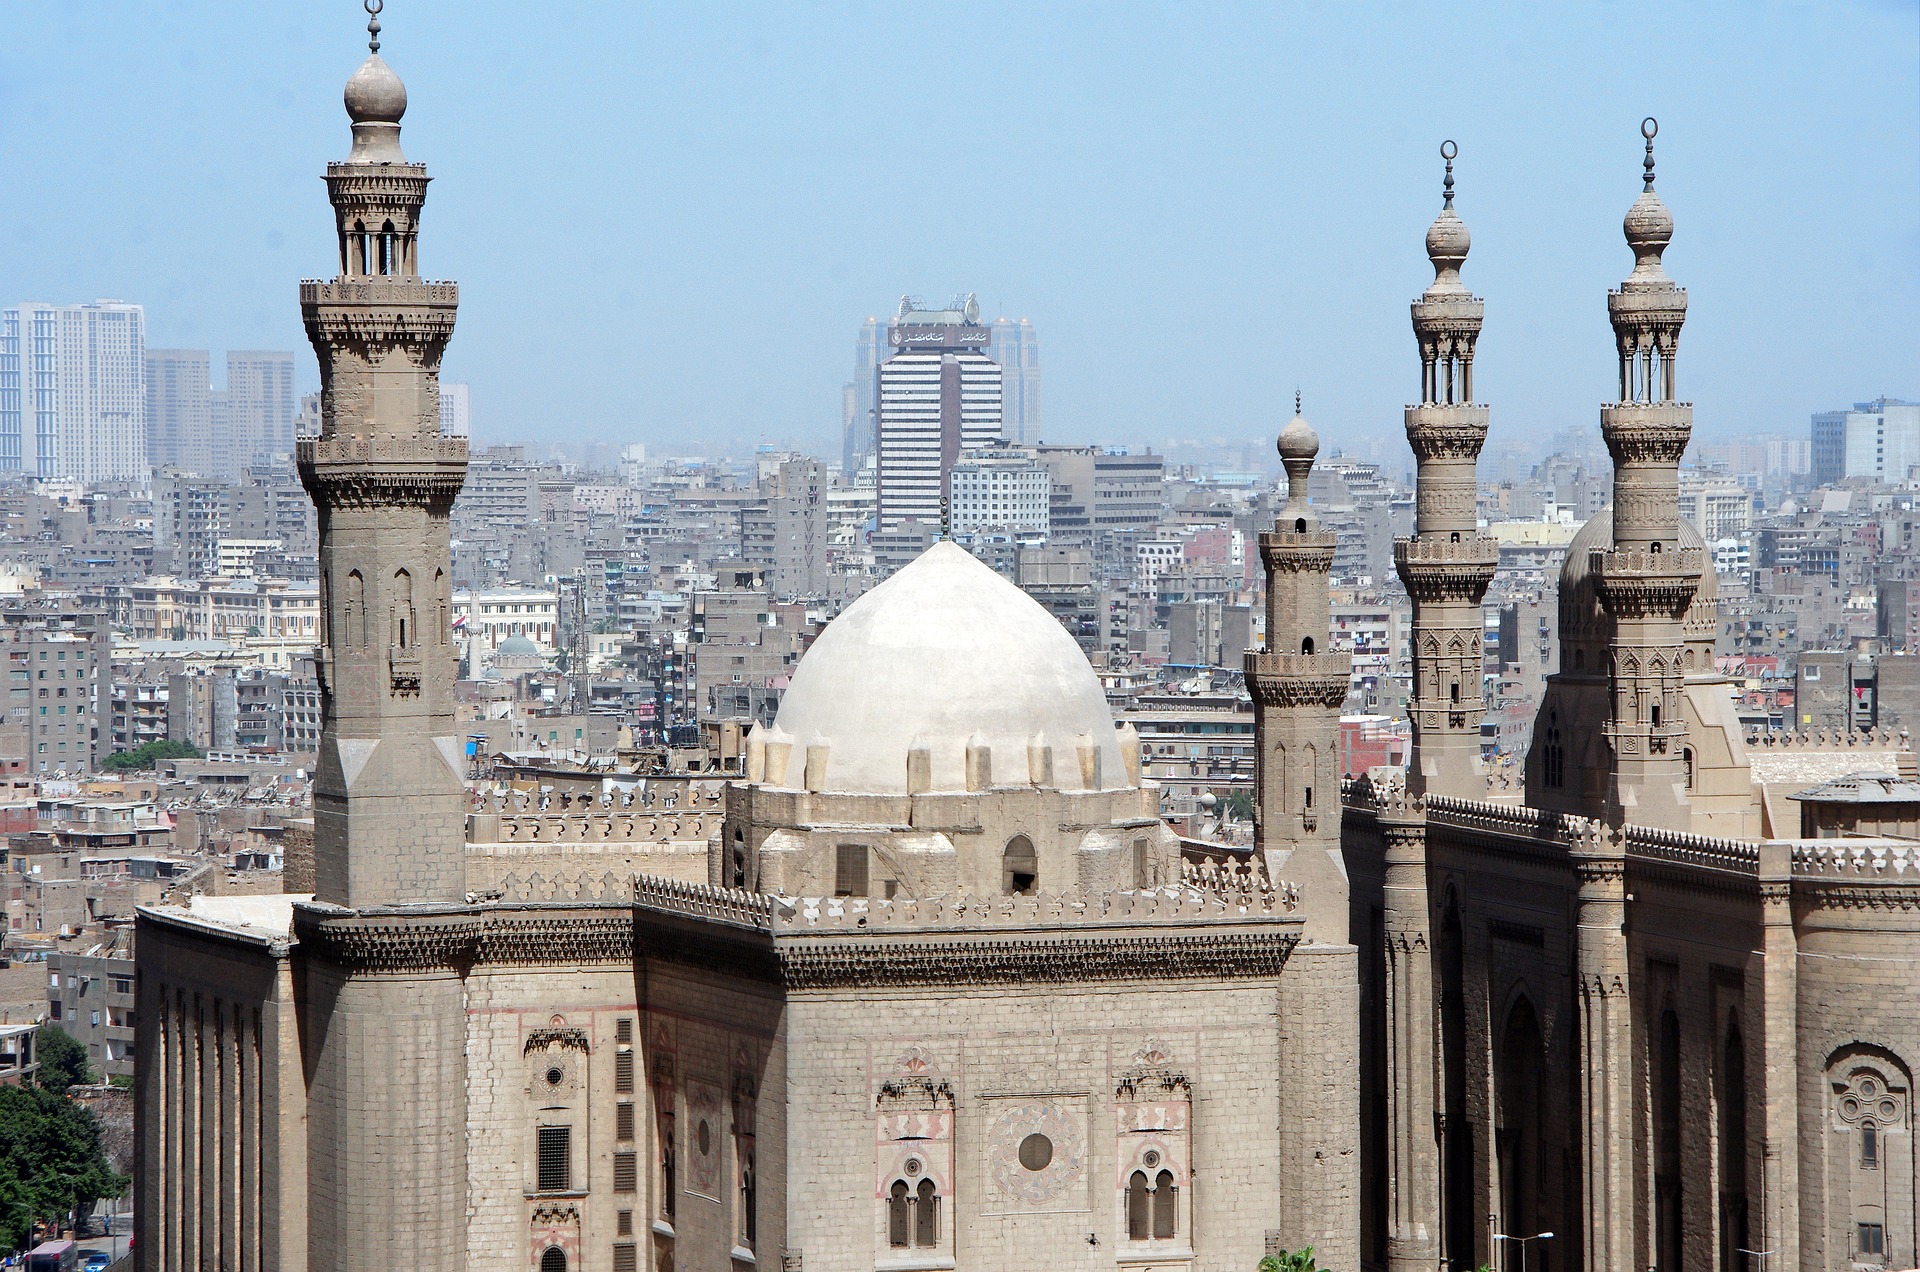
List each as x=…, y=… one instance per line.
x=373, y=8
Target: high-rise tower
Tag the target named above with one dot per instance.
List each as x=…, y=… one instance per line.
x=384, y=1154
x=939, y=397
x=1298, y=683
x=1446, y=564
x=1646, y=579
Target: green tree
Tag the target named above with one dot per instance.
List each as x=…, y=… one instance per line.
x=51, y=1162
x=147, y=754
x=1290, y=1261
x=63, y=1060
x=1237, y=807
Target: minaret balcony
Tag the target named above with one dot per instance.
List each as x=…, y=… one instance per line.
x=1647, y=432
x=1435, y=568
x=379, y=291
x=1447, y=315
x=1645, y=306
x=1299, y=680
x=1297, y=552
x=1641, y=583
x=1446, y=430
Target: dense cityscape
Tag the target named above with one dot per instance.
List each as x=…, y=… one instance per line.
x=964, y=847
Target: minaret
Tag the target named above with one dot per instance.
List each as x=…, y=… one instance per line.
x=1298, y=684
x=1646, y=580
x=387, y=796
x=381, y=945
x=1447, y=564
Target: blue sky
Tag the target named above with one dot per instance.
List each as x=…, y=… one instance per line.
x=668, y=220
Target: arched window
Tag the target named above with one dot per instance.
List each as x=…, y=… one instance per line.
x=1306, y=645
x=1656, y=715
x=1869, y=1145
x=926, y=1219
x=1139, y=1208
x=402, y=608
x=899, y=1216
x=1668, y=1238
x=1164, y=1197
x=1453, y=692
x=386, y=248
x=353, y=610
x=554, y=1259
x=1300, y=525
x=1734, y=1233
x=1019, y=867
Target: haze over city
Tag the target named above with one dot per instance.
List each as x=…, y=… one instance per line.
x=669, y=221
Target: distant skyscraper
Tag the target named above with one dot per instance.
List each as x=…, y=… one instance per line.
x=260, y=407
x=456, y=409
x=73, y=391
x=858, y=425
x=1017, y=349
x=939, y=397
x=1879, y=440
x=179, y=410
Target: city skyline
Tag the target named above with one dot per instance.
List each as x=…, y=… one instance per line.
x=1260, y=226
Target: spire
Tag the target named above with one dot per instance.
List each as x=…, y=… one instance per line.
x=1648, y=226
x=1447, y=237
x=1299, y=445
x=375, y=99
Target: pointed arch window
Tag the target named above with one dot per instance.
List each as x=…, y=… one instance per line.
x=1139, y=1208
x=1019, y=867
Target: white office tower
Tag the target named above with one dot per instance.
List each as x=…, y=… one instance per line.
x=1017, y=350
x=73, y=391
x=939, y=398
x=1000, y=491
x=179, y=411
x=456, y=409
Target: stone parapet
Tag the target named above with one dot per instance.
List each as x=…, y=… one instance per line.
x=1886, y=862
x=380, y=293
x=732, y=906
x=1837, y=740
x=962, y=913
x=1653, y=843
x=593, y=827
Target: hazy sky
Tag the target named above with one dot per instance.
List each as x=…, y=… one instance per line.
x=668, y=220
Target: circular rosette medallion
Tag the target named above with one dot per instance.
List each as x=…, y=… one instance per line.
x=1038, y=1152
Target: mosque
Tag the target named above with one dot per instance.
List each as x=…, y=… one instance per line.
x=933, y=986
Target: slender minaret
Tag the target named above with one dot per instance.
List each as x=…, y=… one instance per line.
x=1646, y=580
x=385, y=1037
x=1447, y=564
x=1298, y=684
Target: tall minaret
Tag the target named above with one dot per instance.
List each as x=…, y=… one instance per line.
x=1646, y=580
x=387, y=796
x=1447, y=565
x=384, y=1036
x=1298, y=684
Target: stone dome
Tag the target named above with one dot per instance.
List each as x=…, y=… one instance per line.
x=375, y=94
x=943, y=655
x=1298, y=440
x=1447, y=245
x=518, y=647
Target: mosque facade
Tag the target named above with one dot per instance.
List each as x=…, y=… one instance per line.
x=932, y=985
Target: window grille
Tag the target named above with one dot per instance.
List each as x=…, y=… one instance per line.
x=626, y=1172
x=626, y=1258
x=623, y=1072
x=850, y=871
x=623, y=1120
x=623, y=1030
x=553, y=1260
x=555, y=1161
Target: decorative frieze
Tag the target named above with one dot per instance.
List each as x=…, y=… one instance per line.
x=809, y=965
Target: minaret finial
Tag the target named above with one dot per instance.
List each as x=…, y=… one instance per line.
x=1649, y=128
x=373, y=8
x=1296, y=400
x=1447, y=151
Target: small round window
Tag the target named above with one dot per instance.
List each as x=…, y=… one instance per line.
x=1036, y=1152
x=556, y=1075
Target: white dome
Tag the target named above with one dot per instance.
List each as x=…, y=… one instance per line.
x=943, y=654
